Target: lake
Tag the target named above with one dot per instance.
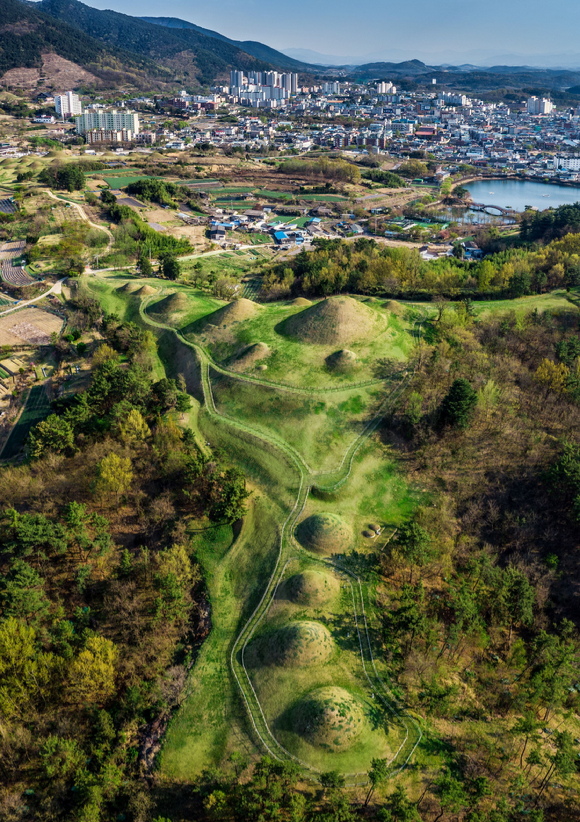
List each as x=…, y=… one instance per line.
x=518, y=194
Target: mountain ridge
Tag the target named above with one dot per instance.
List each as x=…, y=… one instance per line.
x=252, y=47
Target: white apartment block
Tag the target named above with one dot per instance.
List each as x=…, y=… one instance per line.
x=261, y=79
x=68, y=104
x=569, y=163
x=386, y=88
x=331, y=88
x=537, y=105
x=109, y=119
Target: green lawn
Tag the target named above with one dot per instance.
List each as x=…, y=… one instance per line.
x=541, y=302
x=121, y=182
x=319, y=427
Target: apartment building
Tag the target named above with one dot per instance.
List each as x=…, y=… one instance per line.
x=537, y=105
x=569, y=163
x=109, y=120
x=104, y=135
x=68, y=104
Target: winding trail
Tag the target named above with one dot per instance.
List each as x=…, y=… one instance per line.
x=83, y=216
x=288, y=549
x=55, y=289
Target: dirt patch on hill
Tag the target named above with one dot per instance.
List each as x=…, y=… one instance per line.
x=56, y=71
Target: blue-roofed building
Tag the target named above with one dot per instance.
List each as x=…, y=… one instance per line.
x=281, y=237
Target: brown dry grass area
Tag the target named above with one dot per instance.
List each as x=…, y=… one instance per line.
x=31, y=325
x=58, y=73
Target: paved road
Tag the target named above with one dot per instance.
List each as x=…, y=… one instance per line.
x=56, y=289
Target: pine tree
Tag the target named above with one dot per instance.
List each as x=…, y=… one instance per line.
x=458, y=407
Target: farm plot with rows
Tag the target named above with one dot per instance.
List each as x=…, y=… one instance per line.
x=15, y=275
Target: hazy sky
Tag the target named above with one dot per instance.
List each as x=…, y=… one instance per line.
x=344, y=27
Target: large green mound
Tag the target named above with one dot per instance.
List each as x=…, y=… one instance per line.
x=324, y=533
x=250, y=356
x=342, y=361
x=336, y=321
x=128, y=288
x=311, y=588
x=231, y=313
x=173, y=304
x=330, y=718
x=295, y=644
x=147, y=290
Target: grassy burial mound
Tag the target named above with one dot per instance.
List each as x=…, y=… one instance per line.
x=394, y=307
x=342, y=362
x=293, y=645
x=146, y=291
x=324, y=533
x=250, y=357
x=329, y=718
x=166, y=308
x=301, y=301
x=229, y=314
x=336, y=321
x=311, y=588
x=128, y=288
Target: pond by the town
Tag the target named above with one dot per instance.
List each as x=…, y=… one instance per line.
x=518, y=194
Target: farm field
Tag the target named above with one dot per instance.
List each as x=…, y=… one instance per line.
x=29, y=325
x=36, y=409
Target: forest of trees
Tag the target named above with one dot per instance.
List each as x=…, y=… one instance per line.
x=100, y=595
x=366, y=267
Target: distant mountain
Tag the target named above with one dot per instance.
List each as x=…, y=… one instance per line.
x=258, y=50
x=26, y=34
x=191, y=55
x=477, y=58
x=501, y=82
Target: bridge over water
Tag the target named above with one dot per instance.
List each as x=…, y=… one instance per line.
x=483, y=207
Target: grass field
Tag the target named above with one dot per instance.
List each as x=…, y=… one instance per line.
x=36, y=409
x=212, y=722
x=541, y=302
x=320, y=427
x=121, y=182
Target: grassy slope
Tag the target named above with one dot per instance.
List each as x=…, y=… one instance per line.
x=213, y=721
x=320, y=427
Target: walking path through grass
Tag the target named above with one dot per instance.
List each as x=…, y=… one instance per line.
x=287, y=546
